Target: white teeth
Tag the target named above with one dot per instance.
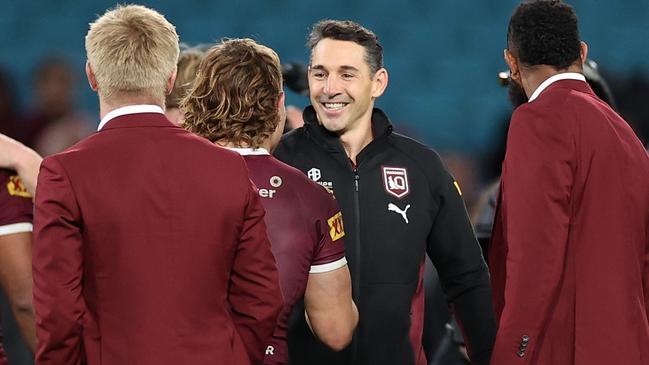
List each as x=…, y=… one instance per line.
x=334, y=106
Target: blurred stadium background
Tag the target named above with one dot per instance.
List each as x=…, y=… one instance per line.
x=442, y=55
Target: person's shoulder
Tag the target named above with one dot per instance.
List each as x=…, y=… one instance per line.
x=424, y=159
x=418, y=152
x=301, y=184
x=304, y=189
x=203, y=145
x=560, y=101
x=76, y=151
x=548, y=113
x=292, y=143
x=294, y=138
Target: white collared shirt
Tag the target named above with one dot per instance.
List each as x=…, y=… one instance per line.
x=129, y=109
x=247, y=151
x=557, y=77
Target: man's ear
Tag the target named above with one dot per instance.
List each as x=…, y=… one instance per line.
x=281, y=100
x=171, y=81
x=512, y=63
x=92, y=81
x=583, y=51
x=379, y=82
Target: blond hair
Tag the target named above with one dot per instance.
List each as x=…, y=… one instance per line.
x=236, y=93
x=132, y=49
x=188, y=63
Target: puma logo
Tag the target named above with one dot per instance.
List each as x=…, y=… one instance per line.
x=394, y=208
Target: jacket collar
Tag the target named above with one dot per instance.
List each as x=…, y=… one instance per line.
x=381, y=128
x=556, y=79
x=248, y=151
x=133, y=116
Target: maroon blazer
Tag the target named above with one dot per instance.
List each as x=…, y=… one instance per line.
x=570, y=249
x=150, y=248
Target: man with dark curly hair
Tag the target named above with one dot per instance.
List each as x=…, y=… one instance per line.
x=237, y=102
x=570, y=247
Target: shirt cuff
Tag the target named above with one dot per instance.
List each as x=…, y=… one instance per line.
x=15, y=228
x=317, y=269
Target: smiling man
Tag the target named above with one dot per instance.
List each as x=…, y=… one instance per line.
x=399, y=203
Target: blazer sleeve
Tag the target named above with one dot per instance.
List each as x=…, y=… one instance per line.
x=646, y=274
x=255, y=296
x=463, y=273
x=57, y=268
x=537, y=181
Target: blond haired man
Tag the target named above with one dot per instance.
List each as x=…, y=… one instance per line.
x=188, y=62
x=140, y=257
x=237, y=102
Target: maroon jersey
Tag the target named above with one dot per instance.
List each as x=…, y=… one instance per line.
x=306, y=232
x=15, y=214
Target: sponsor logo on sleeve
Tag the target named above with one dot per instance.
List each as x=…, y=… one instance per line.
x=336, y=230
x=15, y=187
x=395, y=181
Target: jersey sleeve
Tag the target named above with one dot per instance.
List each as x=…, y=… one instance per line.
x=329, y=253
x=16, y=213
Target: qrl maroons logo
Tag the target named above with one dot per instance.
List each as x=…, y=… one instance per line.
x=395, y=181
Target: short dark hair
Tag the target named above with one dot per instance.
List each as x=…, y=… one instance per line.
x=544, y=32
x=347, y=30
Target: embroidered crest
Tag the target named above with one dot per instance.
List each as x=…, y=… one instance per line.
x=395, y=181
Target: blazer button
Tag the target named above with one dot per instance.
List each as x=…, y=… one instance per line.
x=520, y=353
x=525, y=339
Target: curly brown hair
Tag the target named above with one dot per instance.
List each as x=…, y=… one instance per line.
x=235, y=95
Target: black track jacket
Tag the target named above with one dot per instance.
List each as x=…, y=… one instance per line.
x=399, y=202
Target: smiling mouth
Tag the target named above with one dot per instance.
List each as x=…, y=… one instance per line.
x=334, y=106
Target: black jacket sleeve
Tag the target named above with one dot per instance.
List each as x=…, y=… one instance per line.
x=463, y=273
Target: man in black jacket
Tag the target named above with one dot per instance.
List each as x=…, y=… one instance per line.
x=398, y=202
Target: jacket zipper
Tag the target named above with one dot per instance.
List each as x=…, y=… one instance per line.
x=357, y=270
x=357, y=232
